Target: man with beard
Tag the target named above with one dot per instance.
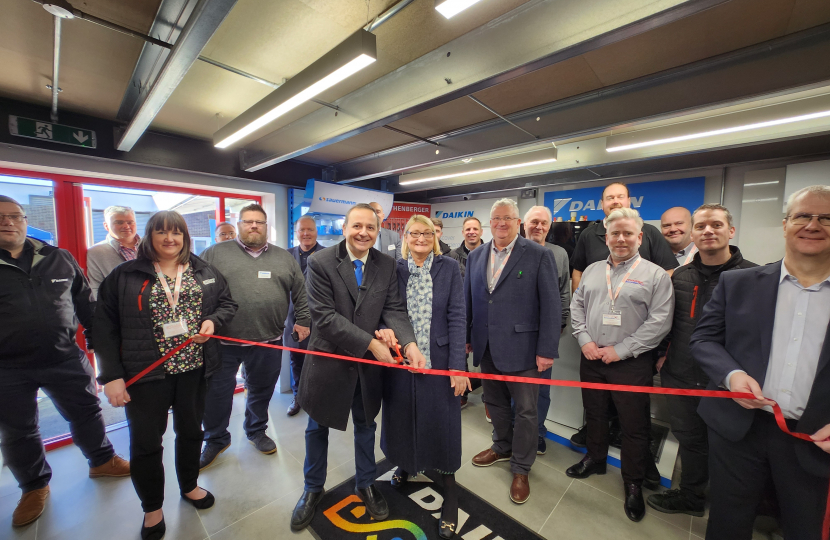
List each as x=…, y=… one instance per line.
x=264, y=279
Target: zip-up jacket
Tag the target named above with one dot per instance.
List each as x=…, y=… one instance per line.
x=692, y=290
x=124, y=340
x=40, y=310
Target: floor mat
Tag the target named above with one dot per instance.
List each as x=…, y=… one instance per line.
x=414, y=511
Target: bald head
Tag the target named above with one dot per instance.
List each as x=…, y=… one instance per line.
x=676, y=224
x=378, y=210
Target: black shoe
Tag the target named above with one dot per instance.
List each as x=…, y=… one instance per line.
x=294, y=408
x=263, y=443
x=446, y=529
x=542, y=447
x=652, y=479
x=156, y=532
x=464, y=401
x=304, y=510
x=586, y=468
x=209, y=455
x=399, y=478
x=674, y=502
x=580, y=438
x=634, y=506
x=201, y=504
x=374, y=501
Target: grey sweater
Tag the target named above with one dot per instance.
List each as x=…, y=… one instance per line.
x=101, y=259
x=261, y=286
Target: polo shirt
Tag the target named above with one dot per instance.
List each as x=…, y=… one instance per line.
x=591, y=248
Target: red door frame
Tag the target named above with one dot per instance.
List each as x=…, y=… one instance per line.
x=71, y=229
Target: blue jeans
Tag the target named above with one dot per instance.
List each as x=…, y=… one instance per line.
x=317, y=448
x=262, y=369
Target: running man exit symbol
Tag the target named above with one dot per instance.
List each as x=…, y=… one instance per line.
x=43, y=131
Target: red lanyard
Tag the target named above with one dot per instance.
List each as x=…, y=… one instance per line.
x=614, y=296
x=172, y=298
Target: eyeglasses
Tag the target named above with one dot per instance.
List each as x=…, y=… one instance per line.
x=804, y=219
x=249, y=222
x=15, y=218
x=427, y=235
x=498, y=219
x=226, y=235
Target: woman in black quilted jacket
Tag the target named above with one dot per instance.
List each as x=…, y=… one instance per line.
x=146, y=308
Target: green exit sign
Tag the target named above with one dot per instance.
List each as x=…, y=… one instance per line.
x=47, y=131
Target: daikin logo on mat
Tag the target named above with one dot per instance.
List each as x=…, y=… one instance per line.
x=337, y=201
x=449, y=215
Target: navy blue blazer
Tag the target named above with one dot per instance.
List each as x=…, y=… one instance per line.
x=447, y=330
x=287, y=340
x=735, y=332
x=522, y=317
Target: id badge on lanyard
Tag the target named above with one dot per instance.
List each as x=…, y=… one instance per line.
x=178, y=327
x=614, y=316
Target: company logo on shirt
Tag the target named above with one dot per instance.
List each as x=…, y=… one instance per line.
x=60, y=280
x=634, y=282
x=448, y=215
x=336, y=201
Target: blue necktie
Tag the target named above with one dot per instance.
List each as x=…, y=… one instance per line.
x=358, y=272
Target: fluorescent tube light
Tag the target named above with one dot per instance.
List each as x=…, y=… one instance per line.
x=479, y=171
x=449, y=8
x=724, y=131
x=352, y=55
x=761, y=183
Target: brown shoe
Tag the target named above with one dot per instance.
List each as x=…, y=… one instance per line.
x=520, y=489
x=117, y=466
x=294, y=408
x=30, y=506
x=488, y=457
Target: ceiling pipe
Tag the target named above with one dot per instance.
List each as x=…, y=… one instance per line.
x=56, y=60
x=386, y=15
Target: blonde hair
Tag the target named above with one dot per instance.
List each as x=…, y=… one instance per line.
x=624, y=213
x=423, y=220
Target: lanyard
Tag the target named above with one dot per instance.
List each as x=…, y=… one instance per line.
x=172, y=298
x=691, y=255
x=497, y=273
x=614, y=296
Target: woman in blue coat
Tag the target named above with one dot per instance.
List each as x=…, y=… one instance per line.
x=422, y=413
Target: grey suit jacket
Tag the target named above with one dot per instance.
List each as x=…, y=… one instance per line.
x=388, y=239
x=344, y=319
x=101, y=259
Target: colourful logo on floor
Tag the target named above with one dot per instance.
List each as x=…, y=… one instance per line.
x=359, y=511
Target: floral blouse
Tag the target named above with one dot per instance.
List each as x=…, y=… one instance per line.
x=189, y=308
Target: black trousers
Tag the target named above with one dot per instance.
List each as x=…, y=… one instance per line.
x=67, y=384
x=740, y=471
x=693, y=438
x=634, y=411
x=519, y=436
x=147, y=414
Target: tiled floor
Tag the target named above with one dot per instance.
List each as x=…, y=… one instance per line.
x=256, y=493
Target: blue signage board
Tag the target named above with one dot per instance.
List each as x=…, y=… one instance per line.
x=651, y=199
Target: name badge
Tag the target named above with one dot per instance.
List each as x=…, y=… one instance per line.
x=174, y=329
x=209, y=281
x=390, y=248
x=612, y=319
x=263, y=274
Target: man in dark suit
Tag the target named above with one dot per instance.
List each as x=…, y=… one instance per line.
x=765, y=332
x=352, y=289
x=306, y=229
x=513, y=324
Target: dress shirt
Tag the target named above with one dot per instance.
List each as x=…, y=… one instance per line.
x=353, y=258
x=501, y=256
x=253, y=252
x=126, y=253
x=684, y=253
x=646, y=304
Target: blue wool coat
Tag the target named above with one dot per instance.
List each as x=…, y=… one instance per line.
x=421, y=416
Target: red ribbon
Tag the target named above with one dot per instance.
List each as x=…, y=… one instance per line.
x=779, y=416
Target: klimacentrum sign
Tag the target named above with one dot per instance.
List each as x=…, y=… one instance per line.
x=47, y=131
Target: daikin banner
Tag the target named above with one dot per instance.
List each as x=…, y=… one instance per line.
x=651, y=199
x=336, y=199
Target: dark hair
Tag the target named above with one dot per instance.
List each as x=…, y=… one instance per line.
x=714, y=206
x=164, y=220
x=463, y=223
x=253, y=207
x=6, y=199
x=360, y=206
x=627, y=191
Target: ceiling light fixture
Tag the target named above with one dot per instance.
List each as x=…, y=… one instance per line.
x=724, y=131
x=449, y=8
x=59, y=8
x=352, y=55
x=479, y=171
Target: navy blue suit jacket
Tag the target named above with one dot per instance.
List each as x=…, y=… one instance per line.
x=735, y=332
x=287, y=340
x=521, y=318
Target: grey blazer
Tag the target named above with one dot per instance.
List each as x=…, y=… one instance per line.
x=388, y=239
x=344, y=319
x=101, y=259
